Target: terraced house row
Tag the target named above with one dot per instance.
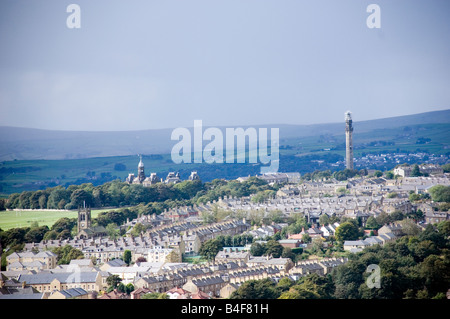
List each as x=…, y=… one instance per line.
x=154, y=245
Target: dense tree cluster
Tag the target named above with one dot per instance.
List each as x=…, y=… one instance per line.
x=412, y=267
x=274, y=249
x=118, y=194
x=440, y=193
x=115, y=282
x=66, y=253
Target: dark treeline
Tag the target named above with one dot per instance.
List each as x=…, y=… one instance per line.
x=119, y=194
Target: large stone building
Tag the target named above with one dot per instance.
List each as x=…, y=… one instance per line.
x=172, y=177
x=31, y=261
x=426, y=169
x=48, y=282
x=141, y=178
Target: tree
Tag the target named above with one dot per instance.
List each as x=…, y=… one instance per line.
x=392, y=195
x=397, y=215
x=155, y=295
x=287, y=253
x=285, y=283
x=262, y=196
x=43, y=201
x=275, y=216
x=378, y=174
x=256, y=289
x=416, y=215
x=62, y=224
x=414, y=197
x=444, y=227
x=383, y=219
x=348, y=279
x=36, y=234
x=298, y=292
x=324, y=219
x=347, y=231
x=436, y=271
x=440, y=193
x=389, y=175
x=141, y=260
x=409, y=227
x=430, y=233
x=317, y=245
x=67, y=253
x=311, y=286
x=257, y=249
x=415, y=172
x=127, y=257
x=209, y=249
x=446, y=168
x=125, y=288
x=80, y=197
x=173, y=257
x=274, y=249
x=372, y=223
x=112, y=231
x=113, y=281
x=306, y=238
x=342, y=190
x=138, y=229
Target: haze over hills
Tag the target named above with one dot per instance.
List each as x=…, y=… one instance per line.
x=30, y=144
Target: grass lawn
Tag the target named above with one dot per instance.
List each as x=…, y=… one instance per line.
x=194, y=259
x=17, y=219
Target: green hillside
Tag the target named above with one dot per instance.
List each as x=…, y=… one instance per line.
x=297, y=153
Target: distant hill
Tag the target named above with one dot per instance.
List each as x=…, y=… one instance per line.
x=31, y=144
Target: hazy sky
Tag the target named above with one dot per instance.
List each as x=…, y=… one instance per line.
x=157, y=64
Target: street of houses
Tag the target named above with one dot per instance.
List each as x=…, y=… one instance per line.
x=216, y=279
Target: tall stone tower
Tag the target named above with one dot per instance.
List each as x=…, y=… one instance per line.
x=348, y=140
x=141, y=174
x=84, y=218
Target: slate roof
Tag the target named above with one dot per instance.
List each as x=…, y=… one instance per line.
x=73, y=292
x=68, y=277
x=208, y=281
x=116, y=263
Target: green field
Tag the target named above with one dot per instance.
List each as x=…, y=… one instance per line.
x=24, y=218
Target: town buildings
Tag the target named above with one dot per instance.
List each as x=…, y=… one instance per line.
x=157, y=264
x=427, y=169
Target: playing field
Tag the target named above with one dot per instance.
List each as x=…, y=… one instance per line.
x=24, y=218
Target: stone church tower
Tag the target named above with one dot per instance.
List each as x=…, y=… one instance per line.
x=348, y=140
x=84, y=218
